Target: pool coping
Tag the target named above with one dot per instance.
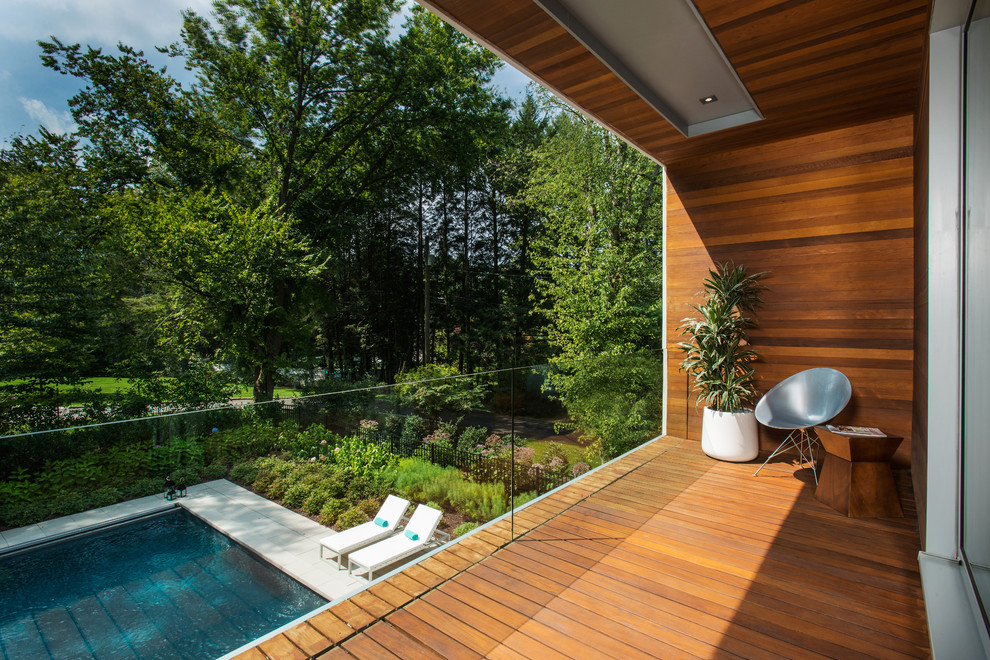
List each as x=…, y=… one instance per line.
x=286, y=539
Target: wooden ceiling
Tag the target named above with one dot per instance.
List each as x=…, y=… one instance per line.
x=811, y=65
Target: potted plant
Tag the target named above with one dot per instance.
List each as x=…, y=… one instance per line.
x=719, y=357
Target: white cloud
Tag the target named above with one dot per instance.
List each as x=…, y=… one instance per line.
x=50, y=119
x=138, y=23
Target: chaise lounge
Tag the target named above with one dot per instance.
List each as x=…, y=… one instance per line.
x=419, y=532
x=385, y=524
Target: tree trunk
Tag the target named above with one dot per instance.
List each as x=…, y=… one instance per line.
x=421, y=320
x=466, y=328
x=264, y=381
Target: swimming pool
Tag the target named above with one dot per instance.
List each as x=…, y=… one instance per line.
x=163, y=586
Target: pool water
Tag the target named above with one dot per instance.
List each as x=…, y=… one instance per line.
x=166, y=586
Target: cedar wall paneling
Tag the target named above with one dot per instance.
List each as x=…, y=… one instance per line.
x=810, y=65
x=831, y=217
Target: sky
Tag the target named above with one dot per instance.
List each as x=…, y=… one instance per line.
x=31, y=95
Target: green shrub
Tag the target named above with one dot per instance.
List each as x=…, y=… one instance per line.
x=332, y=510
x=369, y=506
x=187, y=476
x=439, y=488
x=311, y=443
x=434, y=388
x=19, y=489
x=471, y=437
x=23, y=513
x=317, y=499
x=410, y=472
x=425, y=482
x=258, y=438
x=554, y=450
x=336, y=480
x=269, y=469
x=69, y=503
x=214, y=471
x=364, y=459
x=245, y=473
x=143, y=488
x=413, y=430
x=175, y=454
x=443, y=437
x=103, y=497
x=524, y=498
x=298, y=494
x=391, y=425
x=463, y=529
x=353, y=516
x=127, y=462
x=61, y=476
x=349, y=401
x=478, y=501
x=360, y=488
x=278, y=488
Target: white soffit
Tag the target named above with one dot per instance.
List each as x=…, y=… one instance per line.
x=664, y=51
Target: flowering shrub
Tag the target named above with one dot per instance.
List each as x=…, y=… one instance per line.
x=440, y=439
x=579, y=468
x=556, y=464
x=470, y=438
x=525, y=455
x=494, y=445
x=554, y=450
x=368, y=428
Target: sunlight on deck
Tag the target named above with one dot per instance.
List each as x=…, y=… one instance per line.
x=663, y=553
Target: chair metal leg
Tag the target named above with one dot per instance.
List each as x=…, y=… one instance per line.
x=802, y=441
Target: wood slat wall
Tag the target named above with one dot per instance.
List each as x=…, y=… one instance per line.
x=830, y=216
x=810, y=65
x=819, y=193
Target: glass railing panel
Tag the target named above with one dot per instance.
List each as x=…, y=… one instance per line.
x=474, y=445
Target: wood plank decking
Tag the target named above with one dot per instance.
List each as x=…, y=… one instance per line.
x=664, y=553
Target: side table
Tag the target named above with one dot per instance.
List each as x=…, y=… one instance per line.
x=856, y=478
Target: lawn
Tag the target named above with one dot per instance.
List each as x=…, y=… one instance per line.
x=573, y=452
x=247, y=392
x=112, y=385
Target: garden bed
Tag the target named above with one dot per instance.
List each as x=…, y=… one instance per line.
x=336, y=480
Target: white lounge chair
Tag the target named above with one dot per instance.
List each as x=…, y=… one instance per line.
x=385, y=524
x=415, y=537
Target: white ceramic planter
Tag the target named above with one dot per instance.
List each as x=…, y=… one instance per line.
x=729, y=436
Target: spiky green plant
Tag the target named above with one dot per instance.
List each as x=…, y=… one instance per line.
x=718, y=354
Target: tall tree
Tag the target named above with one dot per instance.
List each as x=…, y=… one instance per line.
x=305, y=103
x=599, y=265
x=523, y=219
x=58, y=289
x=219, y=266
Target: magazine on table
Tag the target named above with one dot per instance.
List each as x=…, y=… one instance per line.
x=867, y=431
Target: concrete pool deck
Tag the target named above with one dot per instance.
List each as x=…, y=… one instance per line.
x=286, y=539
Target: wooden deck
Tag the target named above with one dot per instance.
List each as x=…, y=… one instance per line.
x=664, y=553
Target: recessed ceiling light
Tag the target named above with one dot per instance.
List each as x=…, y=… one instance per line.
x=708, y=99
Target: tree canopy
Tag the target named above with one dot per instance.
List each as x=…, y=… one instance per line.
x=328, y=196
x=598, y=258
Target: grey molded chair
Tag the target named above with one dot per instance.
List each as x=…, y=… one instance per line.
x=799, y=402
